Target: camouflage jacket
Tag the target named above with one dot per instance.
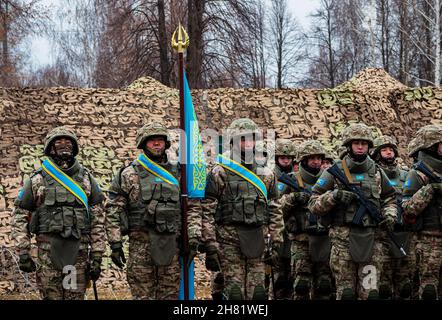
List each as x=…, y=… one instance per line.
x=126, y=189
x=217, y=182
x=418, y=194
x=32, y=196
x=322, y=201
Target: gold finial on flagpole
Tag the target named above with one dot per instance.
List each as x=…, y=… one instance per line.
x=180, y=39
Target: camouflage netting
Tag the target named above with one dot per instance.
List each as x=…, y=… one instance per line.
x=105, y=120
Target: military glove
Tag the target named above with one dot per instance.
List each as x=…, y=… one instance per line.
x=343, y=196
x=117, y=254
x=212, y=258
x=26, y=264
x=301, y=197
x=388, y=223
x=437, y=187
x=95, y=268
x=272, y=258
x=193, y=249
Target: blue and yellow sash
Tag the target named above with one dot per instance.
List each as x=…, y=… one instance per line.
x=157, y=170
x=66, y=181
x=243, y=172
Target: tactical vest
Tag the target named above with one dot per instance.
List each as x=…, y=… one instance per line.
x=364, y=176
x=303, y=220
x=241, y=204
x=61, y=212
x=431, y=217
x=158, y=205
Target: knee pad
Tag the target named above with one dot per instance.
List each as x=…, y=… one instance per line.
x=235, y=293
x=324, y=287
x=429, y=292
x=385, y=292
x=302, y=287
x=405, y=291
x=259, y=293
x=348, y=294
x=373, y=295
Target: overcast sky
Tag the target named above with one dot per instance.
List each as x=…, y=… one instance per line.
x=40, y=46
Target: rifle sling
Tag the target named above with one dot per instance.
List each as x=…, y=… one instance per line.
x=347, y=171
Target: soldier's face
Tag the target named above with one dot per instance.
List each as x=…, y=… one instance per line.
x=247, y=143
x=156, y=145
x=63, y=147
x=315, y=161
x=285, y=161
x=439, y=149
x=326, y=164
x=296, y=167
x=359, y=147
x=387, y=153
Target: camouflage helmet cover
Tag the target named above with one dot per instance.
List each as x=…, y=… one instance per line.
x=309, y=148
x=330, y=155
x=425, y=138
x=241, y=127
x=382, y=142
x=284, y=147
x=60, y=132
x=357, y=131
x=150, y=130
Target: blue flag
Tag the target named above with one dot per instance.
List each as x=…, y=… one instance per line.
x=195, y=172
x=195, y=162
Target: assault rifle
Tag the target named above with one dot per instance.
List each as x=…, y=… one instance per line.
x=364, y=204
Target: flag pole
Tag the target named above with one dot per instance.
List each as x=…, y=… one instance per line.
x=180, y=41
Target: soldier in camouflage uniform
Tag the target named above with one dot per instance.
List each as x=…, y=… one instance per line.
x=284, y=156
x=310, y=247
x=146, y=207
x=328, y=160
x=237, y=216
x=295, y=157
x=67, y=232
x=397, y=270
x=422, y=203
x=356, y=251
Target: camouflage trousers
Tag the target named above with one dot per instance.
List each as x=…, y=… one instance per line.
x=239, y=271
x=146, y=280
x=397, y=273
x=56, y=285
x=429, y=258
x=359, y=278
x=308, y=276
x=282, y=274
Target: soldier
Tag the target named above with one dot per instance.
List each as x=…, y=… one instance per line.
x=310, y=243
x=422, y=203
x=240, y=209
x=61, y=203
x=328, y=160
x=397, y=271
x=356, y=251
x=284, y=156
x=144, y=203
x=295, y=157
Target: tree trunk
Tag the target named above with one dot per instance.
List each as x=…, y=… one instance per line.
x=163, y=45
x=437, y=59
x=195, y=50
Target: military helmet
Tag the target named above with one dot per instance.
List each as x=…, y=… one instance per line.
x=284, y=147
x=60, y=132
x=309, y=148
x=425, y=138
x=382, y=142
x=150, y=130
x=295, y=146
x=357, y=131
x=413, y=148
x=330, y=155
x=241, y=127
